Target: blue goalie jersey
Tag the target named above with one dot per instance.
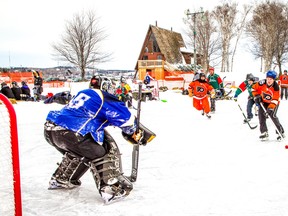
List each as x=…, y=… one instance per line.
x=90, y=111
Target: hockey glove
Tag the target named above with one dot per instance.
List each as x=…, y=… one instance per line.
x=270, y=112
x=222, y=92
x=213, y=94
x=190, y=92
x=258, y=99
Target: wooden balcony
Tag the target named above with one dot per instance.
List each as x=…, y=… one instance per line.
x=150, y=64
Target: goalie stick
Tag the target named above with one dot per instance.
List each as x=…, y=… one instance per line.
x=135, y=152
x=251, y=127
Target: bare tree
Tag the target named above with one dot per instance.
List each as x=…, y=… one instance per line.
x=225, y=15
x=268, y=32
x=80, y=43
x=208, y=42
x=239, y=29
x=282, y=37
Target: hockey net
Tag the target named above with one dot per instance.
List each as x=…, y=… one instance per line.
x=10, y=189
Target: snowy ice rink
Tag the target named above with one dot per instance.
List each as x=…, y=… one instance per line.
x=194, y=167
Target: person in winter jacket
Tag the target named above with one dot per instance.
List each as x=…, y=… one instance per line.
x=199, y=89
x=6, y=90
x=38, y=85
x=247, y=84
x=284, y=85
x=217, y=83
x=16, y=90
x=26, y=93
x=266, y=92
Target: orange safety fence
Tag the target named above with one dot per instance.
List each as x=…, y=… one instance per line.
x=28, y=77
x=9, y=77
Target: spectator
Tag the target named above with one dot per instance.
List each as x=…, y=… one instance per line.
x=38, y=88
x=6, y=90
x=16, y=90
x=26, y=95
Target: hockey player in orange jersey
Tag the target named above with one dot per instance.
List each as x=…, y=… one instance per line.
x=199, y=89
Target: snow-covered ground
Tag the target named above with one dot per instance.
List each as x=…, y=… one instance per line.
x=194, y=167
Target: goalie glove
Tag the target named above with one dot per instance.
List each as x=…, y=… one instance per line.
x=134, y=138
x=142, y=137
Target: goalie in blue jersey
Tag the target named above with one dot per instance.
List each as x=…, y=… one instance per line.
x=78, y=132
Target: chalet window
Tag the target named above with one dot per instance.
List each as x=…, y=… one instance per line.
x=159, y=57
x=145, y=57
x=155, y=47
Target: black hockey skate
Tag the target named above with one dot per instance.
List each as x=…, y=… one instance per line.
x=264, y=136
x=247, y=120
x=280, y=137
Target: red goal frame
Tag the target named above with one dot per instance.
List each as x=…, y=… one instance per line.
x=15, y=154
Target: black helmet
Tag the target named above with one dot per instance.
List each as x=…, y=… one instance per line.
x=95, y=82
x=122, y=79
x=202, y=75
x=250, y=77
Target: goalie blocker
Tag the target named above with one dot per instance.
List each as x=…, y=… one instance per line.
x=146, y=136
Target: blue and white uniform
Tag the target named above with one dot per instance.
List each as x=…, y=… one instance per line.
x=91, y=111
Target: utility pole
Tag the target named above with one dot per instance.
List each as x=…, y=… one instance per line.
x=194, y=15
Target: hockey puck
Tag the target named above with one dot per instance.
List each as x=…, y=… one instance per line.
x=286, y=146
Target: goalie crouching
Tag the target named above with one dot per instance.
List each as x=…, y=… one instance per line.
x=78, y=132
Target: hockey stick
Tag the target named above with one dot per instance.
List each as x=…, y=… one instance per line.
x=265, y=111
x=246, y=117
x=135, y=152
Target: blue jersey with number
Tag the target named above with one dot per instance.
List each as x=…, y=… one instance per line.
x=90, y=111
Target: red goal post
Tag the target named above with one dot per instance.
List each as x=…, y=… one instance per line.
x=10, y=187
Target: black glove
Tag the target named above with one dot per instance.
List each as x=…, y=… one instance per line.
x=270, y=112
x=258, y=99
x=222, y=92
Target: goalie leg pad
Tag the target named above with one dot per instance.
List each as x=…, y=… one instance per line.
x=68, y=173
x=108, y=176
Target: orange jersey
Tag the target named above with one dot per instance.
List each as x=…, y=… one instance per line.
x=269, y=94
x=200, y=89
x=283, y=80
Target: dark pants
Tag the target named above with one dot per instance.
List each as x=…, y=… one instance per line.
x=68, y=141
x=250, y=104
x=212, y=104
x=262, y=119
x=284, y=91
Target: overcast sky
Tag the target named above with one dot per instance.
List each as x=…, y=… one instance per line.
x=28, y=28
